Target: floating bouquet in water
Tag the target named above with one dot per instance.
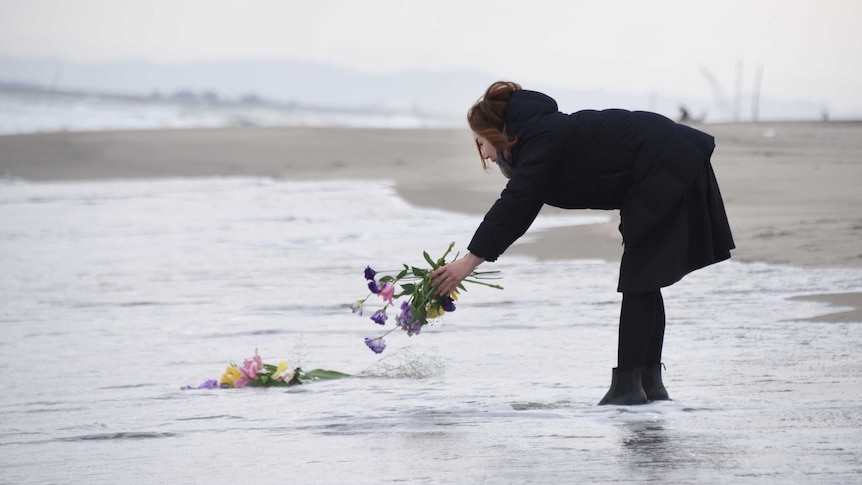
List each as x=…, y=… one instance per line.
x=422, y=305
x=254, y=373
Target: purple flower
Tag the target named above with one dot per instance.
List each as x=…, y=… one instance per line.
x=372, y=285
x=375, y=344
x=447, y=303
x=209, y=384
x=379, y=317
x=369, y=273
x=405, y=316
x=356, y=307
x=405, y=319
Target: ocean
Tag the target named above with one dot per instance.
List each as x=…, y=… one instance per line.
x=31, y=112
x=116, y=294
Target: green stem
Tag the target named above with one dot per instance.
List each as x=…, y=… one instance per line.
x=448, y=250
x=477, y=282
x=396, y=327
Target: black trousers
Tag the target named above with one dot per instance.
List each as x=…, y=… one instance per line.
x=642, y=323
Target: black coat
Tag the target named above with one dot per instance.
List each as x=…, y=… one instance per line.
x=657, y=172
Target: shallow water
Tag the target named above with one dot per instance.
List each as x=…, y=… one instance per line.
x=113, y=295
x=23, y=112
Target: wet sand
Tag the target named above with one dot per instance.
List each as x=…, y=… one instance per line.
x=792, y=190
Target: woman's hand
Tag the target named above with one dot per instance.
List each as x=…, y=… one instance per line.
x=449, y=276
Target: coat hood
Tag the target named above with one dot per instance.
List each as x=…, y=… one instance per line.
x=526, y=105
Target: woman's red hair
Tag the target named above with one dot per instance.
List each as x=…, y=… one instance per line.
x=487, y=117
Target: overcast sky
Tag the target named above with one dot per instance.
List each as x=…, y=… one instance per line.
x=809, y=49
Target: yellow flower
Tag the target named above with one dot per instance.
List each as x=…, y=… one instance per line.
x=454, y=295
x=231, y=374
x=283, y=373
x=434, y=311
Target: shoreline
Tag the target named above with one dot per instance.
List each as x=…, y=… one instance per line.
x=790, y=188
x=843, y=300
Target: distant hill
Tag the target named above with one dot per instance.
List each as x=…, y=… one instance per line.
x=302, y=82
x=310, y=84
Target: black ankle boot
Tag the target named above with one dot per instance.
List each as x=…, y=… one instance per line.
x=626, y=388
x=652, y=383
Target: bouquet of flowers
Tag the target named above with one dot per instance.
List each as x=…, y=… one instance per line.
x=422, y=305
x=254, y=373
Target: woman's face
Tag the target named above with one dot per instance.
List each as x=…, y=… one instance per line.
x=486, y=150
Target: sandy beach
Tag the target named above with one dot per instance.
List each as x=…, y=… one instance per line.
x=791, y=189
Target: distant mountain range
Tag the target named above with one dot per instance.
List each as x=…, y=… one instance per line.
x=323, y=86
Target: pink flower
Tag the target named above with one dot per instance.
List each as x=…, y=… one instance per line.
x=387, y=291
x=249, y=370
